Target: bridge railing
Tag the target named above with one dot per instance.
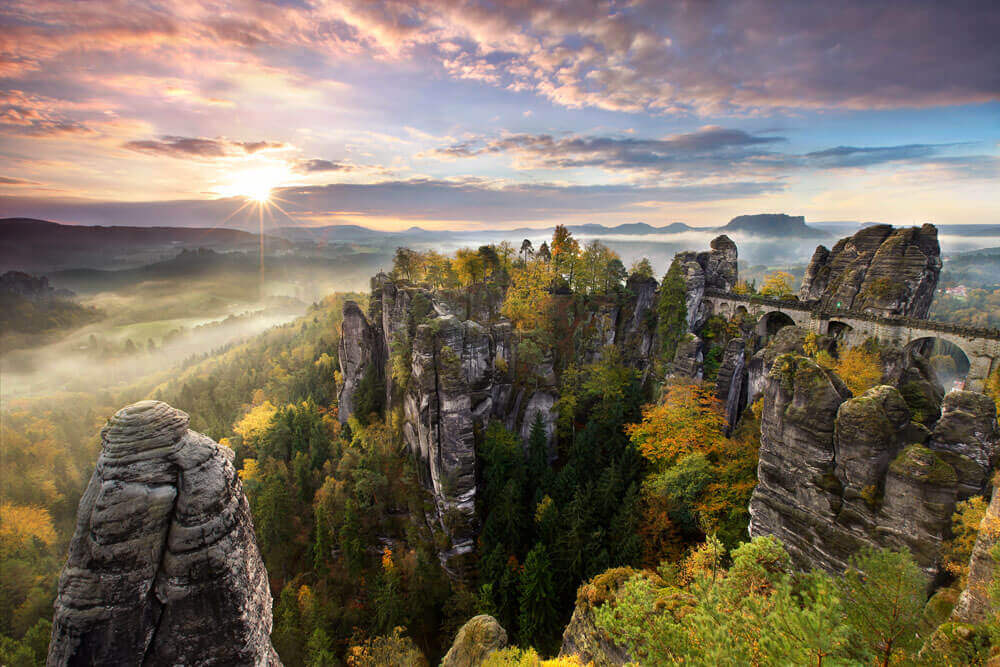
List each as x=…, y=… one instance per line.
x=816, y=312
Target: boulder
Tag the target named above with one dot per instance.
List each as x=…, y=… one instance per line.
x=480, y=636
x=163, y=568
x=968, y=429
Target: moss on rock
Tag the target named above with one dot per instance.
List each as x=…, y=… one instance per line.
x=922, y=464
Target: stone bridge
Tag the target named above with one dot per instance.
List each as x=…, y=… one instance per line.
x=981, y=346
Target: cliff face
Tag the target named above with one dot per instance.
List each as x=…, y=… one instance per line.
x=975, y=604
x=714, y=269
x=163, y=567
x=880, y=269
x=837, y=473
x=451, y=364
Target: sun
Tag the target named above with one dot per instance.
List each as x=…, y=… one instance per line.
x=255, y=185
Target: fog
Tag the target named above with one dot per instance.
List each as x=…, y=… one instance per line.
x=73, y=364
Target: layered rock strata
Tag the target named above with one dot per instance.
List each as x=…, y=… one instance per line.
x=450, y=364
x=713, y=269
x=163, y=568
x=838, y=473
x=880, y=269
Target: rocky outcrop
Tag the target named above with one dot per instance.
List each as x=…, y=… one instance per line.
x=638, y=336
x=838, y=473
x=356, y=350
x=688, y=358
x=714, y=269
x=451, y=365
x=881, y=269
x=788, y=339
x=975, y=604
x=730, y=383
x=582, y=639
x=480, y=636
x=967, y=430
x=163, y=568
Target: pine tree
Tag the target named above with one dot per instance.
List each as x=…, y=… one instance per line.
x=884, y=594
x=671, y=311
x=538, y=615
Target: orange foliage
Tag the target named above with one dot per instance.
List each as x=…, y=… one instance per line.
x=689, y=419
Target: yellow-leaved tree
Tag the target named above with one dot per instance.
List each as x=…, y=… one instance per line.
x=527, y=301
x=778, y=285
x=255, y=423
x=859, y=367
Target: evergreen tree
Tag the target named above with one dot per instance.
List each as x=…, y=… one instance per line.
x=671, y=311
x=538, y=618
x=884, y=594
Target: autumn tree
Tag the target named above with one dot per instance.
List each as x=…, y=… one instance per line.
x=469, y=265
x=641, y=269
x=526, y=302
x=689, y=419
x=565, y=253
x=860, y=367
x=778, y=285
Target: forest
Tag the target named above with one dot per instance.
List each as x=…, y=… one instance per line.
x=640, y=513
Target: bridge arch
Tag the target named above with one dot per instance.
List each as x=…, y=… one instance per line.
x=771, y=322
x=840, y=331
x=951, y=363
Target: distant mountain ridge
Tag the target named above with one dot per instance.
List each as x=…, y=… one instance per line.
x=778, y=225
x=27, y=244
x=349, y=233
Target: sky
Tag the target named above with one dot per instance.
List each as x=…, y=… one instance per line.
x=453, y=114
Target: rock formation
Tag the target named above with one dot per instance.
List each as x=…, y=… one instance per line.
x=975, y=604
x=880, y=269
x=163, y=568
x=714, y=269
x=730, y=384
x=450, y=364
x=837, y=473
x=480, y=636
x=581, y=638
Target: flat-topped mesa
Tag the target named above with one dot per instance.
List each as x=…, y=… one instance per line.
x=881, y=269
x=163, y=567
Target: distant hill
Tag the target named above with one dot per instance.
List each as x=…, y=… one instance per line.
x=775, y=225
x=41, y=246
x=359, y=234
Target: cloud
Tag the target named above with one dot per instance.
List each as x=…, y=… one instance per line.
x=317, y=165
x=711, y=57
x=35, y=115
x=710, y=152
x=6, y=180
x=707, y=149
x=200, y=148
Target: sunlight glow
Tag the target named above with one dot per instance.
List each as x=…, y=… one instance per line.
x=256, y=184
